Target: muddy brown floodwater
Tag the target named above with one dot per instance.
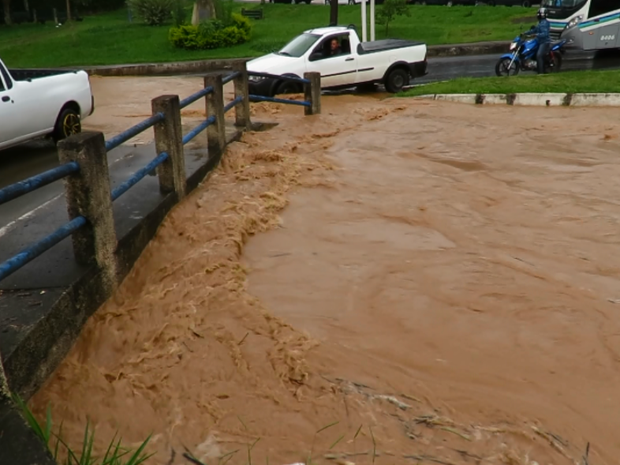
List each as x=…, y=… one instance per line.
x=443, y=284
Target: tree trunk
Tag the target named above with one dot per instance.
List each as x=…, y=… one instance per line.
x=333, y=12
x=26, y=6
x=7, y=12
x=203, y=9
x=68, y=10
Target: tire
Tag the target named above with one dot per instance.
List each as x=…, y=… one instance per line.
x=288, y=87
x=501, y=68
x=396, y=80
x=67, y=124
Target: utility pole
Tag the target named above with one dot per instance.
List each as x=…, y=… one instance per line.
x=372, y=20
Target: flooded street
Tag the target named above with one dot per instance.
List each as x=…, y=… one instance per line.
x=439, y=279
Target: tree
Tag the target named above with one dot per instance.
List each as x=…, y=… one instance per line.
x=390, y=10
x=203, y=9
x=68, y=10
x=333, y=12
x=6, y=4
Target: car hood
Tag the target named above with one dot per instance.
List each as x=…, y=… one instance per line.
x=272, y=64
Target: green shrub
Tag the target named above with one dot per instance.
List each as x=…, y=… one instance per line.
x=154, y=12
x=212, y=34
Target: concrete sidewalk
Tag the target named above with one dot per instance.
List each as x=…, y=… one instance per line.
x=531, y=99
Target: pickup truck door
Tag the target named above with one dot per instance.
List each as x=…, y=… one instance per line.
x=9, y=128
x=25, y=110
x=338, y=70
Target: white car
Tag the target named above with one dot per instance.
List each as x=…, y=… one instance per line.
x=391, y=62
x=37, y=102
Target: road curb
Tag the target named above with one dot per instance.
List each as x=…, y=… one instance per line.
x=205, y=66
x=531, y=99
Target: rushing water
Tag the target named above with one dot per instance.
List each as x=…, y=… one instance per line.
x=445, y=277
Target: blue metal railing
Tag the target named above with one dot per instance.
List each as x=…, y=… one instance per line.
x=33, y=183
x=198, y=129
x=138, y=176
x=133, y=131
x=229, y=106
x=260, y=98
x=230, y=77
x=192, y=98
x=30, y=253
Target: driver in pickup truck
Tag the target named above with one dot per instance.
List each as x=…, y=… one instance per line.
x=334, y=48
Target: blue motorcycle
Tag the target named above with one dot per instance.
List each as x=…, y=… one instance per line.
x=522, y=57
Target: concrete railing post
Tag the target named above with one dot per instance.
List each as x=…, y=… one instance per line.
x=216, y=132
x=312, y=93
x=88, y=195
x=169, y=139
x=242, y=109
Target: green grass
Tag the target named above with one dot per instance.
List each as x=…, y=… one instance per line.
x=62, y=453
x=571, y=82
x=110, y=39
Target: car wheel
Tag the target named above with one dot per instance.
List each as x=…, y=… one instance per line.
x=67, y=124
x=396, y=80
x=288, y=87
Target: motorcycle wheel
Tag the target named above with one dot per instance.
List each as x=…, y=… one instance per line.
x=501, y=68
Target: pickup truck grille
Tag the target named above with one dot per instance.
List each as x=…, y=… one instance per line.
x=555, y=35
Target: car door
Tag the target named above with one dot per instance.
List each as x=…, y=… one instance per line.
x=338, y=70
x=10, y=128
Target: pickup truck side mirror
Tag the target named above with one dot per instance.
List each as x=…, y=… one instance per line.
x=316, y=56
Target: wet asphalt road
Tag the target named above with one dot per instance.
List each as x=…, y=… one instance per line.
x=27, y=160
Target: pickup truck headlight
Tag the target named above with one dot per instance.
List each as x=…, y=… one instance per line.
x=573, y=22
x=255, y=78
x=513, y=45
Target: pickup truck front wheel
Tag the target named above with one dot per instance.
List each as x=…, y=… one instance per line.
x=288, y=87
x=396, y=80
x=67, y=124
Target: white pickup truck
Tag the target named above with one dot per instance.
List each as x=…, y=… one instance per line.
x=343, y=61
x=37, y=102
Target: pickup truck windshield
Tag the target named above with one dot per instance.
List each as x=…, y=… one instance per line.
x=299, y=45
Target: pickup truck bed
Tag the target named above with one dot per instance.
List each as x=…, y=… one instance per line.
x=24, y=74
x=385, y=45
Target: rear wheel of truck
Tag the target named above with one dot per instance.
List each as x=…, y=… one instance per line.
x=67, y=124
x=396, y=80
